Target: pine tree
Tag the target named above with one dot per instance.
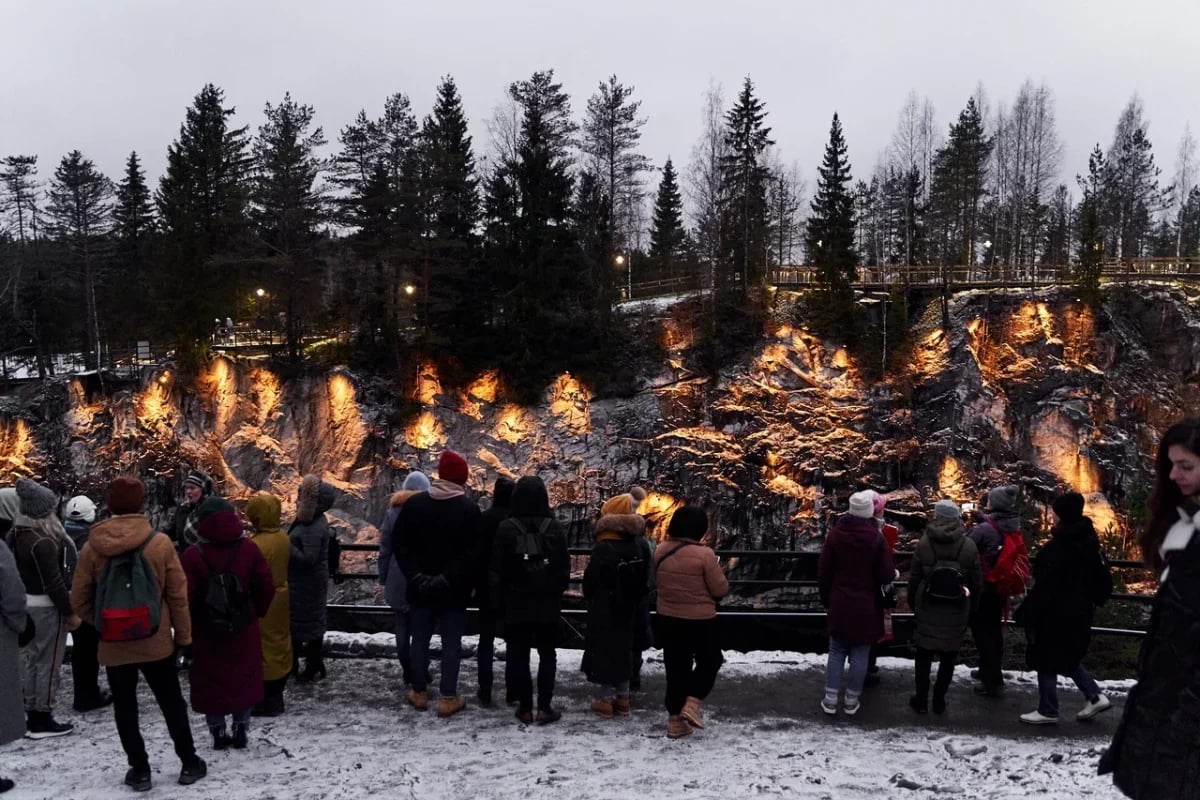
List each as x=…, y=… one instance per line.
x=288, y=205
x=1132, y=195
x=831, y=226
x=611, y=133
x=1091, y=223
x=80, y=216
x=667, y=235
x=133, y=231
x=745, y=218
x=1057, y=251
x=958, y=187
x=201, y=202
x=18, y=176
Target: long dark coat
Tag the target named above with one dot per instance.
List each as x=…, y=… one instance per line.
x=855, y=562
x=610, y=628
x=227, y=674
x=1057, y=612
x=1155, y=752
x=940, y=625
x=308, y=566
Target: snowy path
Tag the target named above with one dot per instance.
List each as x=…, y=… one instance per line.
x=352, y=737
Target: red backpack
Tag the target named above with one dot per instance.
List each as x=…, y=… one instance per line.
x=1010, y=575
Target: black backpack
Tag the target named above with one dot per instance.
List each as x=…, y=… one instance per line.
x=1101, y=581
x=333, y=557
x=630, y=586
x=225, y=609
x=532, y=566
x=947, y=582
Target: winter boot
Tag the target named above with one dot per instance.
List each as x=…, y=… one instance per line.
x=918, y=704
x=621, y=705
x=138, y=779
x=90, y=702
x=220, y=738
x=547, y=715
x=851, y=704
x=691, y=712
x=41, y=725
x=193, y=772
x=678, y=727
x=603, y=707
x=829, y=703
x=272, y=703
x=314, y=665
x=6, y=784
x=449, y=706
x=484, y=695
x=238, y=741
x=419, y=700
x=939, y=702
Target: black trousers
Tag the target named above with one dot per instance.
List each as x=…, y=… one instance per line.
x=945, y=673
x=85, y=666
x=691, y=656
x=987, y=629
x=163, y=681
x=521, y=640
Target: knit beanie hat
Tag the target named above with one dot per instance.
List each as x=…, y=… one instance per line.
x=946, y=509
x=880, y=503
x=37, y=501
x=126, y=494
x=216, y=514
x=1003, y=498
x=199, y=479
x=453, y=467
x=81, y=509
x=688, y=522
x=624, y=503
x=1068, y=507
x=862, y=504
x=415, y=481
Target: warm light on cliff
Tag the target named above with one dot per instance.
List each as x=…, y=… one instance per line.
x=571, y=404
x=950, y=478
x=429, y=386
x=514, y=424
x=658, y=508
x=486, y=387
x=342, y=405
x=426, y=433
x=266, y=393
x=15, y=445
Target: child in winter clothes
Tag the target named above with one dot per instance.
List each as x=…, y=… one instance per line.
x=614, y=582
x=943, y=588
x=854, y=565
x=890, y=535
x=690, y=582
x=85, y=666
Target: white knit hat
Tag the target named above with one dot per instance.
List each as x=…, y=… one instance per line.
x=862, y=504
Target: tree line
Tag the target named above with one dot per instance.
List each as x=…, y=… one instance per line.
x=518, y=257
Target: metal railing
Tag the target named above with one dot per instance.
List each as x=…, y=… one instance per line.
x=996, y=275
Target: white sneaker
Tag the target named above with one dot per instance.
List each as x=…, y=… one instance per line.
x=851, y=706
x=1092, y=708
x=1038, y=718
x=829, y=704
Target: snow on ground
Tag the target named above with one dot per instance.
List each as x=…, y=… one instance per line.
x=352, y=736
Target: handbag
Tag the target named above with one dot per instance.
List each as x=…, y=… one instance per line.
x=885, y=598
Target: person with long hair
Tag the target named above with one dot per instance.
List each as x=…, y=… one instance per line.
x=1154, y=752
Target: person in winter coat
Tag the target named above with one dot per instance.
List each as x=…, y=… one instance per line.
x=197, y=486
x=614, y=583
x=530, y=570
x=308, y=575
x=227, y=665
x=438, y=551
x=987, y=623
x=1057, y=611
x=154, y=657
x=264, y=514
x=690, y=582
x=10, y=507
x=854, y=565
x=944, y=583
x=79, y=515
x=391, y=575
x=1154, y=751
x=46, y=559
x=485, y=654
x=13, y=620
x=891, y=534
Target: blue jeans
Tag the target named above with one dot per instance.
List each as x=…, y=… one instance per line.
x=451, y=624
x=404, y=644
x=859, y=655
x=1048, y=689
x=217, y=721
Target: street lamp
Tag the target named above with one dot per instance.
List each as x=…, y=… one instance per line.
x=624, y=261
x=260, y=292
x=409, y=289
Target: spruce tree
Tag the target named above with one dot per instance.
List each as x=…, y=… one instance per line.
x=611, y=133
x=133, y=233
x=19, y=203
x=745, y=174
x=959, y=186
x=667, y=235
x=1091, y=224
x=831, y=226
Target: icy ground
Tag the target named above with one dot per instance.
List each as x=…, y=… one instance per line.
x=352, y=736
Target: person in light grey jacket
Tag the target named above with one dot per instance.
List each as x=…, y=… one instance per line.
x=391, y=575
x=12, y=623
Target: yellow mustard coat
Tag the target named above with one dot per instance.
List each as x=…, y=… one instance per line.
x=263, y=511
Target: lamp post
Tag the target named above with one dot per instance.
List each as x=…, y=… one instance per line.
x=624, y=261
x=987, y=254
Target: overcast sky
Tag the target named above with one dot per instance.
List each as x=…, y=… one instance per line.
x=114, y=76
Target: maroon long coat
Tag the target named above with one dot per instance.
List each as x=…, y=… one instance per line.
x=227, y=674
x=854, y=563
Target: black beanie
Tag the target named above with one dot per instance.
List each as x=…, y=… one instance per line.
x=688, y=522
x=1068, y=507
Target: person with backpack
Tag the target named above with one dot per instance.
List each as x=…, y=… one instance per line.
x=944, y=584
x=130, y=581
x=891, y=535
x=308, y=576
x=485, y=655
x=1153, y=752
x=1070, y=577
x=853, y=568
x=614, y=583
x=987, y=623
x=79, y=515
x=391, y=575
x=230, y=587
x=530, y=570
x=46, y=558
x=264, y=513
x=197, y=486
x=14, y=620
x=690, y=582
x=438, y=551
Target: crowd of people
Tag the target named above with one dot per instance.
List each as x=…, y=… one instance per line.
x=238, y=602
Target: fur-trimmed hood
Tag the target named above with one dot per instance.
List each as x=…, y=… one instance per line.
x=314, y=497
x=623, y=524
x=401, y=497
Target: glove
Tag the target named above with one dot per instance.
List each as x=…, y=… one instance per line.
x=26, y=636
x=183, y=657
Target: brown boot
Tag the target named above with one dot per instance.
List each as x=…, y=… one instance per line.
x=621, y=705
x=419, y=700
x=449, y=706
x=678, y=727
x=691, y=712
x=603, y=707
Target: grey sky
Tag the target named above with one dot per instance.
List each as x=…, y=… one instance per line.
x=114, y=76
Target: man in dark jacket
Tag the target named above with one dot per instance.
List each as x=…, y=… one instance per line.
x=182, y=530
x=987, y=621
x=79, y=515
x=438, y=545
x=485, y=655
